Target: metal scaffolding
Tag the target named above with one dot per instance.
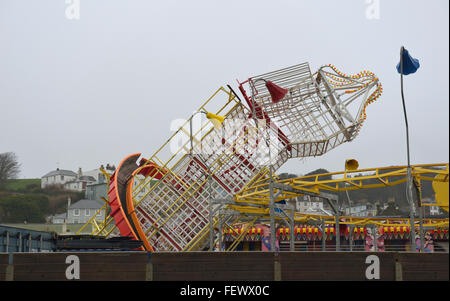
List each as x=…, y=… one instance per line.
x=206, y=177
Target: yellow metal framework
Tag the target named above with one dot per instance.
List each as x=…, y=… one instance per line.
x=252, y=201
x=257, y=194
x=258, y=191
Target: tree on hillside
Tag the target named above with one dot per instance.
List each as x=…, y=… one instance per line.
x=286, y=175
x=31, y=208
x=9, y=167
x=318, y=172
x=392, y=209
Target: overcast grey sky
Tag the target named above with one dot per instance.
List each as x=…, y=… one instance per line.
x=94, y=90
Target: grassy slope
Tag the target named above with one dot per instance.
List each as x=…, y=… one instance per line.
x=57, y=199
x=20, y=184
x=72, y=228
x=57, y=204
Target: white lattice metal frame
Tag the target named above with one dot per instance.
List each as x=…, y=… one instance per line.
x=320, y=112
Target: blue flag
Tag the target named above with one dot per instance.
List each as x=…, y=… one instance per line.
x=410, y=64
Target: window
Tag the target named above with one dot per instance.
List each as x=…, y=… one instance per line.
x=76, y=212
x=87, y=212
x=62, y=178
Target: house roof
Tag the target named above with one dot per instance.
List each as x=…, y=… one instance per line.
x=97, y=184
x=62, y=215
x=87, y=179
x=87, y=204
x=82, y=179
x=60, y=172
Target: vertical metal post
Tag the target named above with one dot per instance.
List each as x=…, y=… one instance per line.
x=411, y=211
x=271, y=197
x=220, y=231
x=350, y=237
x=323, y=236
x=7, y=242
x=20, y=242
x=348, y=202
x=272, y=213
x=375, y=237
x=420, y=209
x=211, y=228
x=30, y=241
x=422, y=236
x=190, y=134
x=337, y=232
x=292, y=242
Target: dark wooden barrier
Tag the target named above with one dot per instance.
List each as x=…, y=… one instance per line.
x=213, y=266
x=4, y=260
x=233, y=266
x=423, y=267
x=332, y=266
x=93, y=266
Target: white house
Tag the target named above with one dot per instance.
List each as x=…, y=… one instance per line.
x=57, y=177
x=79, y=184
x=361, y=210
x=96, y=174
x=431, y=210
x=58, y=218
x=70, y=180
x=435, y=210
x=83, y=210
x=313, y=205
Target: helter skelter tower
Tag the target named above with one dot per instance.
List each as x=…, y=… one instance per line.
x=164, y=200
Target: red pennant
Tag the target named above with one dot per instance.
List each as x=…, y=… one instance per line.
x=275, y=91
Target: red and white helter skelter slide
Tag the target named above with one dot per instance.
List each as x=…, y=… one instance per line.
x=164, y=200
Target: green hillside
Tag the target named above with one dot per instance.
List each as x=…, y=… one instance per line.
x=23, y=200
x=21, y=184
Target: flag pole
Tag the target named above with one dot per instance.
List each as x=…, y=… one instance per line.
x=404, y=106
x=408, y=183
x=409, y=194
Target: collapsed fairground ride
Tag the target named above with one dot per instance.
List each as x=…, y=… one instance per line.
x=201, y=179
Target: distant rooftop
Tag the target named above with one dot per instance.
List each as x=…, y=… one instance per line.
x=61, y=215
x=60, y=172
x=87, y=204
x=87, y=178
x=97, y=184
x=83, y=179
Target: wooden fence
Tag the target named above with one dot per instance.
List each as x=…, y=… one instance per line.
x=225, y=266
